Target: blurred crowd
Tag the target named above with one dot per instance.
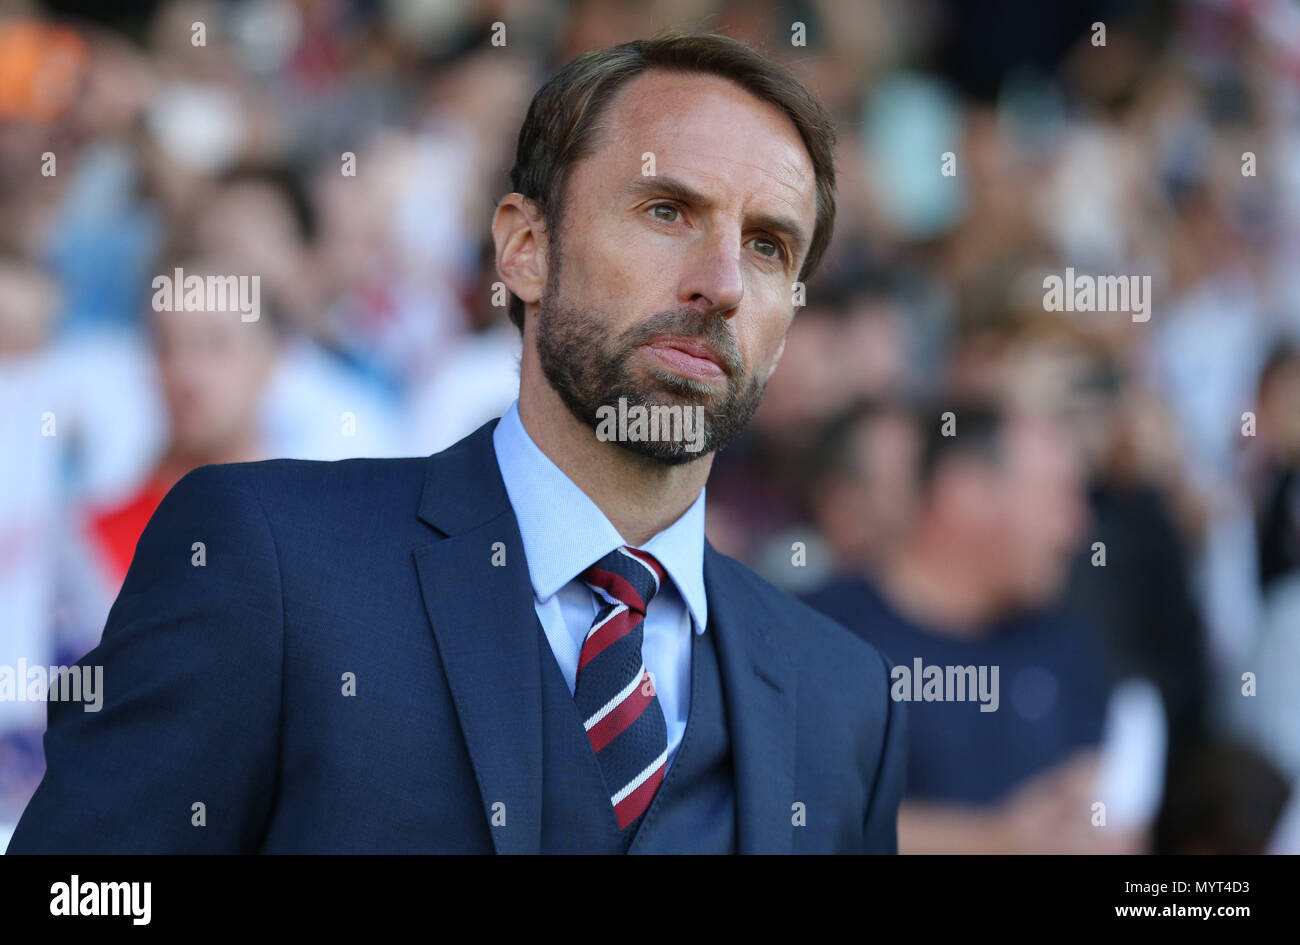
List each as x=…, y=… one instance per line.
x=1115, y=524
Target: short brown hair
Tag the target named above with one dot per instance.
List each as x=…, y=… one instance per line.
x=559, y=129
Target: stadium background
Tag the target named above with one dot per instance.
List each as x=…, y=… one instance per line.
x=378, y=335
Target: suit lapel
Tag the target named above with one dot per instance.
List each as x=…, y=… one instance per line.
x=484, y=621
x=487, y=633
x=758, y=681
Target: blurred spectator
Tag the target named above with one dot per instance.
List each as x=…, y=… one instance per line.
x=860, y=484
x=478, y=379
x=320, y=402
x=973, y=583
x=1275, y=465
x=212, y=369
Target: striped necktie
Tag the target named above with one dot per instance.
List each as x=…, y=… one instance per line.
x=614, y=693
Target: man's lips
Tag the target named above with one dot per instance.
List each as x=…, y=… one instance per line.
x=688, y=356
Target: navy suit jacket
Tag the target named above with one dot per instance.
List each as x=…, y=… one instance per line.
x=345, y=664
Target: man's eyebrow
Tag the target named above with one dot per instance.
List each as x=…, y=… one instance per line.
x=679, y=190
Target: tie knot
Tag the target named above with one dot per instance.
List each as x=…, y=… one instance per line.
x=629, y=575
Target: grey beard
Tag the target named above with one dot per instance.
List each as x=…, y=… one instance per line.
x=589, y=370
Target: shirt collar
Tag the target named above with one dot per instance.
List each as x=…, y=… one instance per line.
x=564, y=532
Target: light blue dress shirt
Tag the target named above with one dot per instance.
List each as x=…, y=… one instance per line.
x=564, y=532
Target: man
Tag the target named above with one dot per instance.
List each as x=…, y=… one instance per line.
x=860, y=479
x=212, y=372
x=1006, y=762
x=523, y=643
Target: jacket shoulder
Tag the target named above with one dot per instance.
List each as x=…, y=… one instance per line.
x=338, y=484
x=273, y=473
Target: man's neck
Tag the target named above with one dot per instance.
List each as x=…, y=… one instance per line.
x=640, y=496
x=939, y=594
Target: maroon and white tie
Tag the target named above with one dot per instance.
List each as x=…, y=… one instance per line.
x=614, y=692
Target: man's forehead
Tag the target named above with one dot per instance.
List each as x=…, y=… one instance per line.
x=709, y=126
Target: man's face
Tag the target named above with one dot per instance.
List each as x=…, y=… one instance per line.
x=1042, y=508
x=885, y=455
x=213, y=367
x=675, y=289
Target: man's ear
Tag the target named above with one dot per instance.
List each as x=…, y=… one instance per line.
x=519, y=234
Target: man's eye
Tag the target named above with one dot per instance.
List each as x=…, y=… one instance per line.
x=668, y=208
x=776, y=252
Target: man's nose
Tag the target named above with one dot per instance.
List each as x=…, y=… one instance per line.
x=713, y=277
